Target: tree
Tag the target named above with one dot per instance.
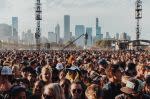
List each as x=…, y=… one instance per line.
x=104, y=43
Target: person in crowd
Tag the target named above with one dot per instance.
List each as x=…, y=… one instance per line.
x=147, y=85
x=102, y=66
x=65, y=84
x=5, y=82
x=31, y=77
x=46, y=75
x=37, y=90
x=76, y=90
x=53, y=91
x=110, y=70
x=132, y=90
x=147, y=71
x=62, y=74
x=112, y=88
x=15, y=70
x=94, y=92
x=140, y=68
x=18, y=92
x=131, y=70
x=25, y=72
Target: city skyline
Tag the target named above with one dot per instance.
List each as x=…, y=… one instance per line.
x=115, y=16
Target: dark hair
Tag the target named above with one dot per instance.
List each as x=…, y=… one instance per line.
x=15, y=90
x=112, y=69
x=147, y=80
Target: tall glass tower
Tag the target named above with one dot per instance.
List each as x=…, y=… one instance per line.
x=90, y=39
x=67, y=28
x=15, y=28
x=98, y=30
x=79, y=30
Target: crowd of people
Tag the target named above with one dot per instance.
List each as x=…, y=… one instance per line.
x=83, y=74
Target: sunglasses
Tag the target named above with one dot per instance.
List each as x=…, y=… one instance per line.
x=77, y=91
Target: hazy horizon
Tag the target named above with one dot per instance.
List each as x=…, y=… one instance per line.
x=115, y=16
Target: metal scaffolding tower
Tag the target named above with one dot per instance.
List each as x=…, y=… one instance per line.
x=138, y=17
x=38, y=18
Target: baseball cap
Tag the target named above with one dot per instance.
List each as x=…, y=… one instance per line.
x=59, y=66
x=6, y=70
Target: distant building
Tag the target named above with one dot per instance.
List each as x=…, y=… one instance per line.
x=67, y=28
x=57, y=32
x=107, y=36
x=51, y=37
x=79, y=30
x=5, y=32
x=128, y=37
x=28, y=37
x=117, y=36
x=98, y=31
x=90, y=39
x=123, y=36
x=15, y=28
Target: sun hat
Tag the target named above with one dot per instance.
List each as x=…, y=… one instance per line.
x=132, y=86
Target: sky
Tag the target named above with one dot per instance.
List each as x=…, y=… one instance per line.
x=115, y=16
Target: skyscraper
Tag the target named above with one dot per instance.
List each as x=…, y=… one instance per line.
x=51, y=37
x=107, y=36
x=67, y=28
x=57, y=32
x=117, y=36
x=123, y=36
x=90, y=39
x=15, y=28
x=98, y=30
x=79, y=30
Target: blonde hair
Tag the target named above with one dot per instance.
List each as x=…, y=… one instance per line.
x=139, y=66
x=55, y=90
x=45, y=68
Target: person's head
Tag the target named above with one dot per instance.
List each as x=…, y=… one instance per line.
x=62, y=74
x=6, y=74
x=147, y=71
x=33, y=64
x=94, y=92
x=53, y=91
x=130, y=69
x=18, y=92
x=5, y=78
x=65, y=84
x=25, y=71
x=102, y=63
x=114, y=73
x=38, y=87
x=49, y=61
x=46, y=74
x=147, y=85
x=76, y=90
x=31, y=77
x=15, y=70
x=133, y=88
x=90, y=67
x=140, y=70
